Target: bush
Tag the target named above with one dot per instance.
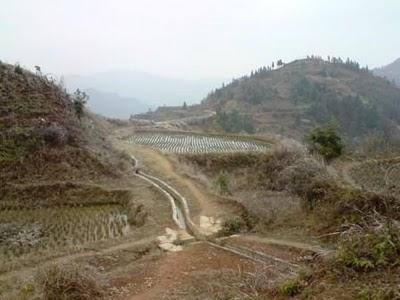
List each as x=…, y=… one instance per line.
x=70, y=282
x=137, y=215
x=290, y=288
x=326, y=142
x=55, y=135
x=366, y=248
x=79, y=101
x=222, y=183
x=233, y=225
x=18, y=70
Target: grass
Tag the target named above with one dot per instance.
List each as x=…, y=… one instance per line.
x=70, y=282
x=378, y=175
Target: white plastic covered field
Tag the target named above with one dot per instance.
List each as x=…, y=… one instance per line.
x=186, y=143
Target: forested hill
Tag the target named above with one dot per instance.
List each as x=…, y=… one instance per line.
x=299, y=95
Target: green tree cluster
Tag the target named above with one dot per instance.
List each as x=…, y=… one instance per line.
x=326, y=141
x=234, y=122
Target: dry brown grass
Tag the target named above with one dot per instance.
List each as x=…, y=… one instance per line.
x=70, y=282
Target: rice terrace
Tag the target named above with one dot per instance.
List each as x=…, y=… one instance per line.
x=196, y=143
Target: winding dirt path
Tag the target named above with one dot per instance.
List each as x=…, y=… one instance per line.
x=154, y=159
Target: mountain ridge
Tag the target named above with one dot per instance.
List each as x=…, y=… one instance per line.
x=390, y=71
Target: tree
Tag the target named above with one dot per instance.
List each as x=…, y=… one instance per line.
x=326, y=141
x=18, y=69
x=234, y=122
x=38, y=70
x=79, y=101
x=184, y=106
x=279, y=63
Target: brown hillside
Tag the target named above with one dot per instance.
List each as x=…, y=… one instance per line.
x=41, y=138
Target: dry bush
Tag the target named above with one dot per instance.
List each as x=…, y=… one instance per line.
x=137, y=214
x=233, y=225
x=70, y=282
x=55, y=135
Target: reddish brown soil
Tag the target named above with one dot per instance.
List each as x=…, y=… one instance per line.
x=156, y=278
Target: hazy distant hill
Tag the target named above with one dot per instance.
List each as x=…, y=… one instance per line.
x=114, y=106
x=149, y=89
x=310, y=92
x=391, y=71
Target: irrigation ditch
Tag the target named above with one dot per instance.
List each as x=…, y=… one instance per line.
x=181, y=217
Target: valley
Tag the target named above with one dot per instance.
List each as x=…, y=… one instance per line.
x=185, y=203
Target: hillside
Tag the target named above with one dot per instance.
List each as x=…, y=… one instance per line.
x=391, y=71
x=42, y=137
x=292, y=99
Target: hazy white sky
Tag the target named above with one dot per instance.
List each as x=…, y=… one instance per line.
x=194, y=38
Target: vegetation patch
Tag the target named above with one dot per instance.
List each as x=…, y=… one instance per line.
x=71, y=281
x=378, y=175
x=233, y=225
x=326, y=141
x=369, y=247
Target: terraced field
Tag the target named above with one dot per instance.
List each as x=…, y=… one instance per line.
x=195, y=143
x=26, y=231
x=378, y=175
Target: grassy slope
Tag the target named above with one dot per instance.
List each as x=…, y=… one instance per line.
x=290, y=195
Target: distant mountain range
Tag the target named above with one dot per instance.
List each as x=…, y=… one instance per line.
x=134, y=92
x=391, y=71
x=113, y=105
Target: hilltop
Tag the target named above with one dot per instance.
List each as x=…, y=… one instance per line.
x=304, y=93
x=390, y=71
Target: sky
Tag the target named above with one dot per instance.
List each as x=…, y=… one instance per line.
x=193, y=39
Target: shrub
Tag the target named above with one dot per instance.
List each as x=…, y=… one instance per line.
x=291, y=288
x=70, y=282
x=79, y=101
x=326, y=142
x=18, y=70
x=136, y=214
x=55, y=135
x=222, y=183
x=366, y=248
x=233, y=225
